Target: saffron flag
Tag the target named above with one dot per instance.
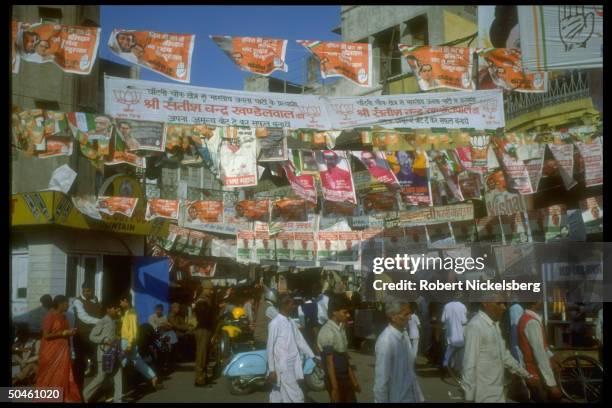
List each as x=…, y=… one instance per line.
x=352, y=61
x=254, y=54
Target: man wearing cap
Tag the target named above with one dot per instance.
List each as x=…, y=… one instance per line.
x=334, y=177
x=205, y=316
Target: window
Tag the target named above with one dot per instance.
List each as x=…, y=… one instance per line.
x=47, y=105
x=390, y=57
x=83, y=269
x=418, y=30
x=50, y=15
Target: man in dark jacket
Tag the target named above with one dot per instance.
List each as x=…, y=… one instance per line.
x=205, y=315
x=87, y=312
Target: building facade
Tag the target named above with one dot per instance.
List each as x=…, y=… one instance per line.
x=53, y=248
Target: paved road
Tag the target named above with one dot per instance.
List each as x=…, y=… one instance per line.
x=179, y=387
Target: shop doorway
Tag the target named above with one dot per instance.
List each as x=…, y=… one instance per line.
x=117, y=277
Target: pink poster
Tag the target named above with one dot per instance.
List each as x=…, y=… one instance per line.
x=377, y=165
x=303, y=185
x=336, y=178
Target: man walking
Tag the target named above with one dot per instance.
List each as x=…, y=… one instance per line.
x=332, y=341
x=266, y=311
x=533, y=343
x=205, y=316
x=515, y=312
x=454, y=317
x=104, y=335
x=395, y=376
x=413, y=330
x=87, y=313
x=285, y=344
x=129, y=336
x=486, y=354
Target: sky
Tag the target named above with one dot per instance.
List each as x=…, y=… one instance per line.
x=210, y=66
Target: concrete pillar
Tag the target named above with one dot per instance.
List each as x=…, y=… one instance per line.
x=405, y=38
x=376, y=75
x=435, y=25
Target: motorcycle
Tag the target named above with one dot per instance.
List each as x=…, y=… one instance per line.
x=248, y=370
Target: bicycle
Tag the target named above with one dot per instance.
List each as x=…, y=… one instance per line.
x=580, y=378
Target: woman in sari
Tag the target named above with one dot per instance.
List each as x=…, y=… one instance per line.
x=54, y=363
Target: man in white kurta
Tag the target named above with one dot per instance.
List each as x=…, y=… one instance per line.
x=285, y=347
x=454, y=317
x=395, y=377
x=486, y=355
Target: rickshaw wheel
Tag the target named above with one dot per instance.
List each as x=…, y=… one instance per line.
x=581, y=378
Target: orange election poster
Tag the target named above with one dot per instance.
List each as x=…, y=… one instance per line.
x=203, y=211
x=254, y=54
x=352, y=61
x=72, y=48
x=502, y=68
x=440, y=67
x=121, y=205
x=162, y=208
x=168, y=54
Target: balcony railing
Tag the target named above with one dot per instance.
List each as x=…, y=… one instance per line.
x=566, y=88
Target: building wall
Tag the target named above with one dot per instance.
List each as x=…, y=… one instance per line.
x=48, y=247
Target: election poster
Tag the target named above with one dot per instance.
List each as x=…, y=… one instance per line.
x=284, y=246
x=168, y=54
x=336, y=179
x=175, y=103
x=264, y=246
x=535, y=167
x=272, y=148
x=238, y=159
x=195, y=243
x=72, y=48
x=498, y=199
x=592, y=214
x=120, y=155
x=348, y=246
x=489, y=229
x=86, y=206
x=474, y=157
x=377, y=165
x=35, y=127
x=304, y=246
x=592, y=154
x=376, y=202
x=253, y=210
x=440, y=67
x=163, y=209
x=464, y=231
x=410, y=169
x=440, y=235
x=557, y=37
x=93, y=132
x=257, y=55
x=536, y=219
x=504, y=69
x=352, y=61
x=449, y=166
x=202, y=269
x=394, y=241
x=576, y=226
x=470, y=185
x=303, y=185
x=290, y=209
x=564, y=156
x=518, y=174
x=515, y=228
x=498, y=26
x=117, y=205
x=142, y=135
x=201, y=212
x=15, y=59
x=556, y=226
x=327, y=245
x=245, y=246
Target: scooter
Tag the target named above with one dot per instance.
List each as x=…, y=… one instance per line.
x=249, y=369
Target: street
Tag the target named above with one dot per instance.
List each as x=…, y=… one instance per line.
x=179, y=386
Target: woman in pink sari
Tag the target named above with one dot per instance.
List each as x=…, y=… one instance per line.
x=54, y=362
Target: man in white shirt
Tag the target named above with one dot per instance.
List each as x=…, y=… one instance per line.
x=322, y=303
x=515, y=312
x=395, y=377
x=533, y=342
x=413, y=332
x=285, y=347
x=454, y=317
x=486, y=355
x=86, y=314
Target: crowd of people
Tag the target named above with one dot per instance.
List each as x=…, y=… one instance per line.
x=102, y=338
